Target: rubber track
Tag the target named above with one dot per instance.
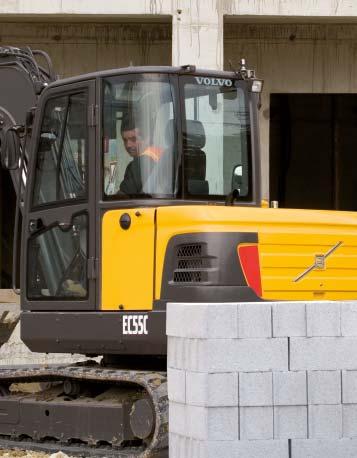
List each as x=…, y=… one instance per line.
x=155, y=383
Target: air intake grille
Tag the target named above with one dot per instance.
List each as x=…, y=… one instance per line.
x=188, y=277
x=191, y=264
x=189, y=251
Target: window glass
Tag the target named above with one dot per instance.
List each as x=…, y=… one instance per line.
x=58, y=262
x=139, y=138
x=61, y=157
x=216, y=138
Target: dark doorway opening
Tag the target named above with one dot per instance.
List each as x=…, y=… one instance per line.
x=7, y=214
x=313, y=150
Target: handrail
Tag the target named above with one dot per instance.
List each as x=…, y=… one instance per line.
x=17, y=213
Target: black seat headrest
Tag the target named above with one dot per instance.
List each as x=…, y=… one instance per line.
x=194, y=136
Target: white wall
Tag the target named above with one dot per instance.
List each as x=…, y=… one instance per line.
x=197, y=25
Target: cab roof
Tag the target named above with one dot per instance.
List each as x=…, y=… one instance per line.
x=182, y=70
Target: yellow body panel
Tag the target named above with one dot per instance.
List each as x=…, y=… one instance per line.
x=128, y=260
x=289, y=241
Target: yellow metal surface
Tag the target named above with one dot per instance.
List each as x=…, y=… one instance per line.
x=128, y=260
x=289, y=243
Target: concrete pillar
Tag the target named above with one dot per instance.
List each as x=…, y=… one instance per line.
x=197, y=35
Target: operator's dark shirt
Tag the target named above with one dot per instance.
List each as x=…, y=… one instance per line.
x=135, y=171
x=139, y=170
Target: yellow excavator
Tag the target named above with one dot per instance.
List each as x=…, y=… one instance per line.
x=137, y=187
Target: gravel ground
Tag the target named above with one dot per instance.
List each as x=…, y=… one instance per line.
x=27, y=454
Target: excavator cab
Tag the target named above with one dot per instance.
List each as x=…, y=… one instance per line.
x=105, y=154
x=115, y=172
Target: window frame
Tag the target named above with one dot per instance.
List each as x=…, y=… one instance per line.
x=64, y=211
x=172, y=80
x=48, y=228
x=56, y=95
x=248, y=198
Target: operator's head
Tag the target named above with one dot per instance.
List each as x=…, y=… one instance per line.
x=132, y=136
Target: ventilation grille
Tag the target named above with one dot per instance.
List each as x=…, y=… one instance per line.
x=188, y=277
x=191, y=264
x=189, y=251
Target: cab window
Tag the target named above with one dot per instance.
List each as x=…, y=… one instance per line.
x=60, y=173
x=139, y=138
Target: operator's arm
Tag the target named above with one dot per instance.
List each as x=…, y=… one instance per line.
x=131, y=183
x=137, y=175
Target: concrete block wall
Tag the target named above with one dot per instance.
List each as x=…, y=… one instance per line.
x=267, y=379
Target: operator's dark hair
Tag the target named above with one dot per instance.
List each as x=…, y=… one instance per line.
x=129, y=122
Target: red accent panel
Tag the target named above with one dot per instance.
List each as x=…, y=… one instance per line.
x=249, y=259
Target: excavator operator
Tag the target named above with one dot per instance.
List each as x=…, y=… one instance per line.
x=145, y=157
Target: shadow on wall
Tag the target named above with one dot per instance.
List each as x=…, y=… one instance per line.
x=77, y=48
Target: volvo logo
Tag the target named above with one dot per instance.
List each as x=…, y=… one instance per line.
x=320, y=262
x=213, y=81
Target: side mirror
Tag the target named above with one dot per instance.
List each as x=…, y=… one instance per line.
x=10, y=150
x=237, y=177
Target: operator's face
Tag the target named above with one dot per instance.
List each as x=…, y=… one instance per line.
x=133, y=142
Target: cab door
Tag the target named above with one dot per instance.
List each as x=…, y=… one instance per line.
x=58, y=240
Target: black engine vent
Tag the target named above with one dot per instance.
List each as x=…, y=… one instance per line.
x=192, y=264
x=188, y=277
x=189, y=251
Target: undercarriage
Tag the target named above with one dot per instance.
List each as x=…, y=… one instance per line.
x=84, y=409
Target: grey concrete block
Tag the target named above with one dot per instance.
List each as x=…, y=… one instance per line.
x=349, y=420
x=175, y=319
x=214, y=390
x=290, y=422
x=223, y=423
x=201, y=321
x=177, y=414
x=256, y=423
x=323, y=319
x=248, y=449
x=325, y=421
x=204, y=423
x=323, y=353
x=177, y=349
x=185, y=447
x=324, y=387
x=290, y=388
x=177, y=385
x=228, y=355
x=349, y=387
x=196, y=422
x=255, y=389
x=349, y=318
x=212, y=423
x=254, y=320
x=323, y=448
x=289, y=319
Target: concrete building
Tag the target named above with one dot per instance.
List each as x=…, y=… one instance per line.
x=304, y=50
